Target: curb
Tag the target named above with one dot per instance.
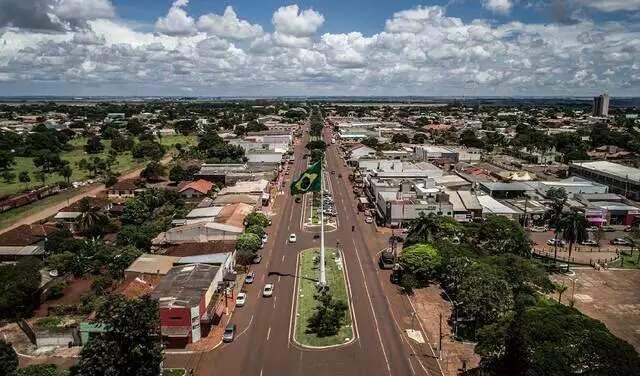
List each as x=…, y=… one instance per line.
x=295, y=320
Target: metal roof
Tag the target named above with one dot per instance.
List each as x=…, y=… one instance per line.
x=613, y=169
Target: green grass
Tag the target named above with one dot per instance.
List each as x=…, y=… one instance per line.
x=174, y=372
x=308, y=275
x=124, y=162
x=627, y=261
x=9, y=217
x=170, y=141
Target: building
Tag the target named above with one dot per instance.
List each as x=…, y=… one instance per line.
x=609, y=209
x=572, y=185
x=506, y=190
x=601, y=105
x=195, y=189
x=189, y=301
x=198, y=232
x=620, y=179
x=124, y=189
x=230, y=173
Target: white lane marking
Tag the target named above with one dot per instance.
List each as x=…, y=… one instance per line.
x=282, y=258
x=279, y=278
x=275, y=298
x=248, y=326
x=268, y=333
x=402, y=337
x=260, y=371
x=375, y=319
x=294, y=300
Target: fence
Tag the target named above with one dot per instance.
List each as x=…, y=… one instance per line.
x=592, y=261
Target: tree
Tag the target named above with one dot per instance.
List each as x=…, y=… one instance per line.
x=468, y=138
x=148, y=149
x=177, y=173
x=153, y=171
x=400, y=138
x=8, y=177
x=499, y=235
x=24, y=178
x=66, y=171
x=248, y=243
x=256, y=218
x=7, y=160
x=94, y=145
x=556, y=340
x=428, y=228
x=130, y=344
x=421, y=260
x=41, y=370
x=483, y=297
x=186, y=126
x=329, y=315
x=92, y=221
x=255, y=229
x=19, y=284
x=8, y=358
x=573, y=227
x=47, y=162
x=558, y=197
x=135, y=212
x=371, y=142
x=419, y=138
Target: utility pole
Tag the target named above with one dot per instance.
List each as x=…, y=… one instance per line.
x=440, y=340
x=323, y=277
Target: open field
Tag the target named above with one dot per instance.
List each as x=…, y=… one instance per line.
x=124, y=162
x=308, y=276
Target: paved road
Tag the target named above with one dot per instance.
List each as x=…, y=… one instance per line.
x=263, y=347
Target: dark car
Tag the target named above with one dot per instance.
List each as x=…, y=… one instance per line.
x=298, y=199
x=387, y=260
x=250, y=277
x=229, y=333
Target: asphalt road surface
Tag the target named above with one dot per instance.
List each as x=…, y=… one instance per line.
x=263, y=344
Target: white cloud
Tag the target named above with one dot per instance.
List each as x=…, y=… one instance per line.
x=290, y=20
x=177, y=21
x=83, y=9
x=612, y=5
x=228, y=25
x=498, y=6
x=422, y=50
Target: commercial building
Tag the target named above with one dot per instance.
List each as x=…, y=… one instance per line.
x=601, y=105
x=620, y=179
x=190, y=302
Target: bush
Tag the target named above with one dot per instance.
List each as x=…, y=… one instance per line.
x=421, y=260
x=57, y=291
x=255, y=229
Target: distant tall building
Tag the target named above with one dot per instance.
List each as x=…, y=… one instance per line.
x=601, y=105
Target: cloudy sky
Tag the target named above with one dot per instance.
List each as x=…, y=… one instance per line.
x=322, y=47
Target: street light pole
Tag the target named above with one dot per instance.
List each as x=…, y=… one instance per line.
x=323, y=277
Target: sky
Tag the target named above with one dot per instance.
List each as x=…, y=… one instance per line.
x=319, y=47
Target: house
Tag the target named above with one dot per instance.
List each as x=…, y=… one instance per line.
x=124, y=189
x=24, y=241
x=234, y=214
x=190, y=301
x=198, y=232
x=195, y=189
x=148, y=265
x=68, y=216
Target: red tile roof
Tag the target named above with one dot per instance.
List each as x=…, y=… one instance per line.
x=202, y=186
x=126, y=185
x=26, y=235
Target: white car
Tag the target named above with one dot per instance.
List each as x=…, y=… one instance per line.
x=368, y=219
x=538, y=229
x=591, y=243
x=241, y=299
x=265, y=238
x=292, y=238
x=558, y=242
x=267, y=291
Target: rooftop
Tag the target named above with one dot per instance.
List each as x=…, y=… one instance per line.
x=151, y=264
x=201, y=185
x=26, y=235
x=184, y=285
x=613, y=169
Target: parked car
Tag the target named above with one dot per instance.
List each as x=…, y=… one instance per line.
x=620, y=241
x=368, y=219
x=229, y=333
x=590, y=243
x=592, y=228
x=558, y=242
x=267, y=291
x=265, y=237
x=292, y=238
x=387, y=260
x=249, y=278
x=538, y=229
x=608, y=229
x=241, y=299
x=257, y=259
x=298, y=200
x=333, y=172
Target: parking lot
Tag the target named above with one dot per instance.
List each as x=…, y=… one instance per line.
x=611, y=296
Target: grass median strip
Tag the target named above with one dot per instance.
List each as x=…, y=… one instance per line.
x=308, y=270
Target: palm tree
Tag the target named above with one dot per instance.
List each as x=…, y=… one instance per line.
x=561, y=288
x=422, y=229
x=91, y=218
x=574, y=229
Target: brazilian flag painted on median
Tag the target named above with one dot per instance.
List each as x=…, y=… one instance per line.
x=309, y=181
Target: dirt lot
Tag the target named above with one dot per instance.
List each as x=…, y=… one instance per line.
x=72, y=295
x=429, y=304
x=611, y=296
